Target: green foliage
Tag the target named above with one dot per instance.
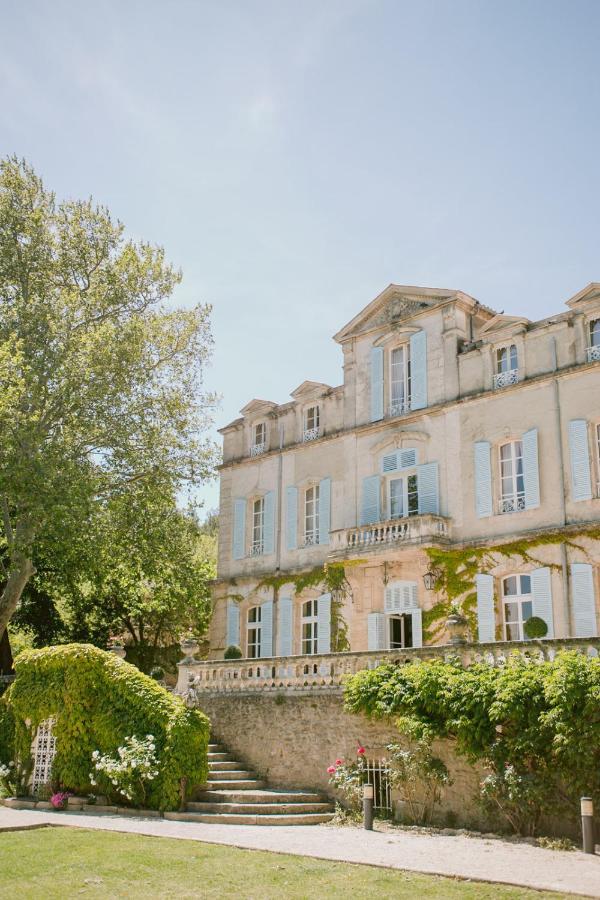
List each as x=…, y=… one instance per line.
x=420, y=776
x=534, y=725
x=7, y=732
x=535, y=627
x=101, y=380
x=233, y=652
x=97, y=700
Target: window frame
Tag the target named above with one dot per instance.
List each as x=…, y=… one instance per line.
x=256, y=627
x=515, y=500
x=258, y=447
x=512, y=358
x=311, y=432
x=406, y=494
x=311, y=535
x=257, y=546
x=404, y=404
x=403, y=618
x=312, y=622
x=517, y=599
x=594, y=332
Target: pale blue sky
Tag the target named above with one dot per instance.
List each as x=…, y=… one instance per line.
x=294, y=158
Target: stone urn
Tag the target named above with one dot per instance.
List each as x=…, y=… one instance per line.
x=189, y=645
x=457, y=627
x=118, y=649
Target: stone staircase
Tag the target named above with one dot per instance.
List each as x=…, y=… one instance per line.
x=235, y=796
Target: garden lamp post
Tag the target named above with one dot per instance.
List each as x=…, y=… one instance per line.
x=368, y=799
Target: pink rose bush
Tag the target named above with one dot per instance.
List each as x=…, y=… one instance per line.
x=348, y=778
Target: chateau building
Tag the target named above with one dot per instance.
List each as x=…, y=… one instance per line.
x=456, y=429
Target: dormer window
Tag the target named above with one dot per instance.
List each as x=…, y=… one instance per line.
x=259, y=439
x=400, y=380
x=312, y=424
x=593, y=351
x=507, y=366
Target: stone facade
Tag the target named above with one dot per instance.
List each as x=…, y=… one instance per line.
x=455, y=426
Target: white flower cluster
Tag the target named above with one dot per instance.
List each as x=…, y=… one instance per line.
x=4, y=771
x=135, y=764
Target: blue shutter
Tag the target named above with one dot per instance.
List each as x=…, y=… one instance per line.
x=584, y=601
x=233, y=623
x=376, y=627
x=266, y=629
x=483, y=479
x=369, y=512
x=581, y=479
x=399, y=459
x=269, y=527
x=324, y=623
x=531, y=472
x=239, y=529
x=417, y=628
x=486, y=617
x=427, y=489
x=542, y=597
x=284, y=626
x=324, y=510
x=376, y=384
x=418, y=370
x=291, y=517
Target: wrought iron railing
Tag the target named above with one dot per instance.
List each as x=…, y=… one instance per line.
x=258, y=449
x=399, y=407
x=311, y=434
x=257, y=548
x=512, y=504
x=593, y=353
x=503, y=379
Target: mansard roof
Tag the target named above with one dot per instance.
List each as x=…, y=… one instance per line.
x=401, y=301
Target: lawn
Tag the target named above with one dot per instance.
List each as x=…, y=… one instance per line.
x=64, y=862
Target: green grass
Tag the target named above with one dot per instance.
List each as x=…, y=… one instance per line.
x=64, y=862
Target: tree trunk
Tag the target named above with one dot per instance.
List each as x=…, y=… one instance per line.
x=20, y=572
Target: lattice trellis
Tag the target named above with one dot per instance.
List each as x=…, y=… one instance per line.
x=43, y=750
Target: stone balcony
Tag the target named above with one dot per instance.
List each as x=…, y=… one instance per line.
x=326, y=672
x=427, y=529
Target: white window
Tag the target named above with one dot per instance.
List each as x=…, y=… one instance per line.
x=507, y=366
x=400, y=632
x=311, y=515
x=258, y=526
x=518, y=606
x=512, y=481
x=403, y=498
x=254, y=631
x=593, y=352
x=312, y=424
x=399, y=380
x=259, y=439
x=310, y=625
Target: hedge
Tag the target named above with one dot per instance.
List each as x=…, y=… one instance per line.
x=97, y=700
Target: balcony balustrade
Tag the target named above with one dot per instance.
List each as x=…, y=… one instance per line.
x=327, y=671
x=411, y=530
x=503, y=379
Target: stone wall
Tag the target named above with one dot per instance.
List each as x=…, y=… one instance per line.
x=292, y=739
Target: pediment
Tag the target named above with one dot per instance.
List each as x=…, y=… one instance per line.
x=258, y=407
x=591, y=292
x=310, y=389
x=501, y=323
x=397, y=303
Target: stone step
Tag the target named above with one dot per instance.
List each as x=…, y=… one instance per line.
x=215, y=757
x=215, y=748
x=233, y=819
x=223, y=765
x=230, y=775
x=267, y=809
x=235, y=784
x=257, y=795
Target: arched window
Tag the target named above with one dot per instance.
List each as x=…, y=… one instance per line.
x=507, y=359
x=310, y=623
x=517, y=601
x=254, y=632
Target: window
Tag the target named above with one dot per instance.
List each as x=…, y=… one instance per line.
x=518, y=606
x=258, y=526
x=309, y=627
x=507, y=366
x=403, y=497
x=399, y=380
x=254, y=631
x=400, y=632
x=311, y=515
x=598, y=457
x=512, y=481
x=312, y=429
x=259, y=439
x=594, y=348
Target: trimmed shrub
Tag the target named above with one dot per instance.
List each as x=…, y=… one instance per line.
x=97, y=700
x=232, y=652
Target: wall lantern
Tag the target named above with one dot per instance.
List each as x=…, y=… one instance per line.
x=430, y=578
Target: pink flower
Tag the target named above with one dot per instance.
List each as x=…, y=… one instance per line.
x=331, y=770
x=360, y=751
x=339, y=762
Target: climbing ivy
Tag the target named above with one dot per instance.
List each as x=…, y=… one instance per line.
x=97, y=700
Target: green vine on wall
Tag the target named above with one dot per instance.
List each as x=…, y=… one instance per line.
x=457, y=570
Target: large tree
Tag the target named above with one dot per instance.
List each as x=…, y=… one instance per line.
x=100, y=383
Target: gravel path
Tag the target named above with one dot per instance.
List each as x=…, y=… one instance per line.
x=476, y=858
